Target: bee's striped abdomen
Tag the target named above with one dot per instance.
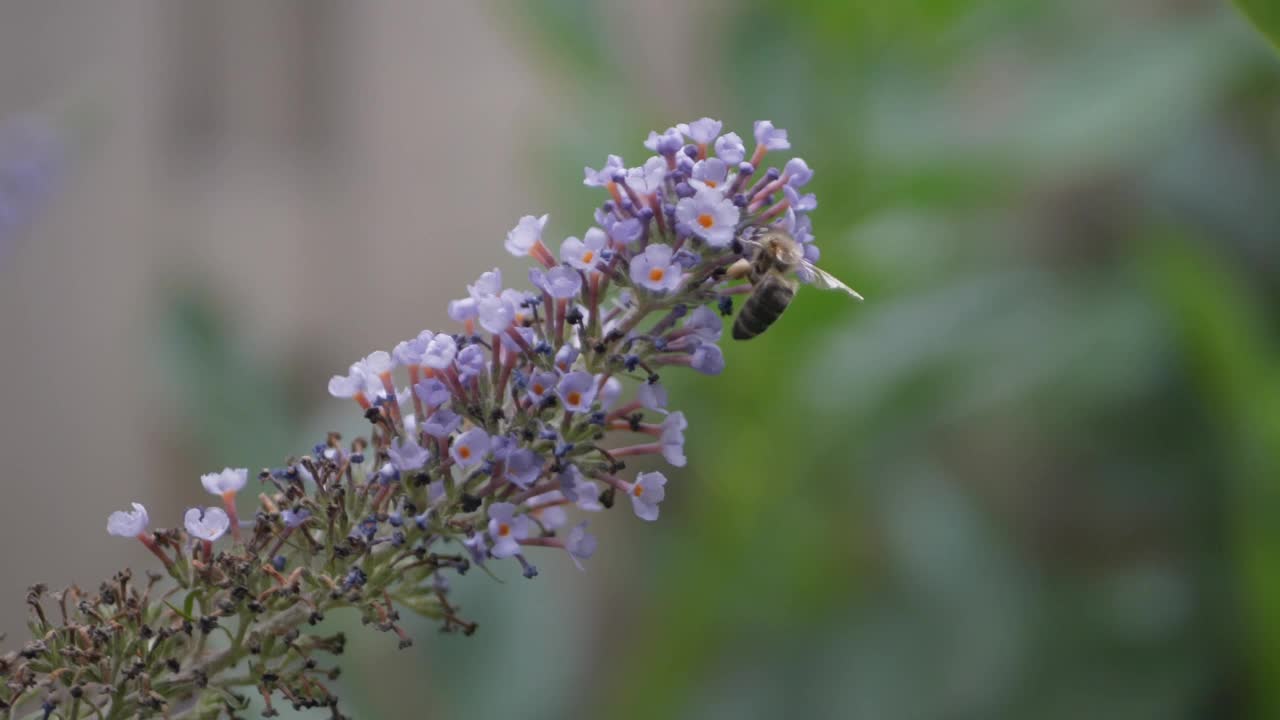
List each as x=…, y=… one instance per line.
x=762, y=308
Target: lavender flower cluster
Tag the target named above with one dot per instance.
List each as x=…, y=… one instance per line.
x=483, y=438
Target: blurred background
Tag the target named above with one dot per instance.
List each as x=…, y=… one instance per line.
x=1035, y=475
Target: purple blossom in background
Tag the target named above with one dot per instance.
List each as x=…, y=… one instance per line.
x=32, y=159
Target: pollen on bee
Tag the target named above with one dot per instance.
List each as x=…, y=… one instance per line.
x=657, y=274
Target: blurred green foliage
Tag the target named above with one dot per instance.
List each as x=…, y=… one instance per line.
x=1033, y=476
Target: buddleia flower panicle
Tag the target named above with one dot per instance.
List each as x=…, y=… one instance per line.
x=491, y=441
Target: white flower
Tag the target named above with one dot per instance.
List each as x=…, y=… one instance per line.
x=709, y=215
x=646, y=493
x=129, y=524
x=583, y=254
x=526, y=234
x=208, y=524
x=230, y=480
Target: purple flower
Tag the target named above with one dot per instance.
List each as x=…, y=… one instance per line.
x=730, y=149
x=407, y=455
x=580, y=544
x=667, y=143
x=472, y=361
x=496, y=313
x=769, y=137
x=565, y=357
x=541, y=383
x=526, y=234
x=208, y=524
x=577, y=390
x=701, y=131
x=673, y=428
x=646, y=493
x=463, y=310
x=530, y=339
x=652, y=396
x=432, y=392
x=560, y=282
x=441, y=423
x=654, y=270
x=705, y=324
x=474, y=543
x=647, y=179
x=294, y=518
x=547, y=511
x=709, y=215
x=585, y=253
x=799, y=203
x=440, y=352
x=470, y=447
x=489, y=283
x=524, y=466
x=709, y=173
x=506, y=529
x=227, y=482
x=602, y=177
x=410, y=352
x=707, y=359
x=610, y=392
x=625, y=231
x=129, y=524
x=353, y=384
x=797, y=172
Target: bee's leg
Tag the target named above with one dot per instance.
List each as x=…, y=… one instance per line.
x=739, y=270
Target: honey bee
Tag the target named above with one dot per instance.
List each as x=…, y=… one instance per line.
x=776, y=258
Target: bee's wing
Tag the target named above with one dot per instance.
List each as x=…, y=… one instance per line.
x=820, y=278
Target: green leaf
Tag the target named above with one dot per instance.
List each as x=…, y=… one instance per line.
x=1265, y=14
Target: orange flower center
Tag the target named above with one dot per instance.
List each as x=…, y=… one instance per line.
x=706, y=221
x=586, y=256
x=575, y=398
x=464, y=452
x=538, y=389
x=504, y=529
x=711, y=183
x=657, y=274
x=637, y=490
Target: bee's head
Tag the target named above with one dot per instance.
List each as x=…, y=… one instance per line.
x=786, y=252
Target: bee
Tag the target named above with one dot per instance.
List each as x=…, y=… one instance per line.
x=776, y=258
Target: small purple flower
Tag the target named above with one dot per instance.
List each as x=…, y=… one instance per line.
x=432, y=392
x=800, y=203
x=472, y=361
x=524, y=466
x=730, y=149
x=652, y=396
x=602, y=177
x=489, y=283
x=610, y=392
x=707, y=359
x=407, y=455
x=410, y=352
x=673, y=428
x=129, y=524
x=565, y=357
x=526, y=234
x=530, y=339
x=353, y=384
x=463, y=310
x=229, y=481
x=625, y=231
x=710, y=173
x=701, y=131
x=496, y=313
x=647, y=179
x=705, y=324
x=208, y=524
x=547, y=510
x=577, y=390
x=668, y=143
x=709, y=215
x=560, y=282
x=769, y=137
x=506, y=529
x=646, y=493
x=440, y=352
x=654, y=269
x=470, y=447
x=441, y=423
x=580, y=544
x=474, y=543
x=587, y=495
x=541, y=383
x=294, y=518
x=797, y=172
x=585, y=253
